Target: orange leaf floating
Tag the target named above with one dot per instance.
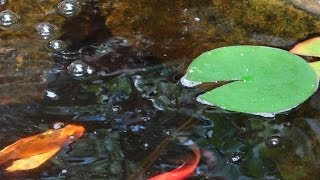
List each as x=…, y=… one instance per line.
x=310, y=47
x=31, y=152
x=183, y=171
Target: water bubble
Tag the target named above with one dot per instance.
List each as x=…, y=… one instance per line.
x=210, y=134
x=69, y=8
x=287, y=124
x=116, y=108
x=145, y=118
x=58, y=125
x=273, y=141
x=8, y=18
x=45, y=29
x=3, y=2
x=235, y=159
x=79, y=68
x=64, y=171
x=72, y=137
x=51, y=95
x=57, y=45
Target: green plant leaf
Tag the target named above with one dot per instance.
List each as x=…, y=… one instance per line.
x=310, y=47
x=264, y=80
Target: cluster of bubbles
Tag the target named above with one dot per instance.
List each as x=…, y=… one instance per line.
x=46, y=30
x=66, y=8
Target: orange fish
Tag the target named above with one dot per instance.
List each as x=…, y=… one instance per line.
x=31, y=152
x=183, y=171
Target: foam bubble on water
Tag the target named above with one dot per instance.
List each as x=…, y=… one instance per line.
x=57, y=45
x=3, y=2
x=69, y=8
x=58, y=125
x=51, y=95
x=8, y=18
x=45, y=29
x=273, y=141
x=79, y=68
x=185, y=82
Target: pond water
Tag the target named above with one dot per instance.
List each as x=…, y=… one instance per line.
x=116, y=71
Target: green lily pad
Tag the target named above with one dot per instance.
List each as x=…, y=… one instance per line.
x=264, y=80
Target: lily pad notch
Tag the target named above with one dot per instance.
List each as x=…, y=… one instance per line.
x=265, y=80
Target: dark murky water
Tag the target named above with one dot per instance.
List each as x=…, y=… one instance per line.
x=116, y=71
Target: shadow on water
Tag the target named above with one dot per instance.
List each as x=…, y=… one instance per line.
x=119, y=77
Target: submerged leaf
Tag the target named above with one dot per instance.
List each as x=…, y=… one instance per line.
x=183, y=171
x=38, y=148
x=310, y=47
x=262, y=80
x=31, y=162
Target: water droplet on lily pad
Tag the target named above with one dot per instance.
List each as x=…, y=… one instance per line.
x=8, y=18
x=69, y=8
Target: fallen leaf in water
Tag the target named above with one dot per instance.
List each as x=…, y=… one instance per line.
x=31, y=152
x=183, y=171
x=310, y=47
x=31, y=162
